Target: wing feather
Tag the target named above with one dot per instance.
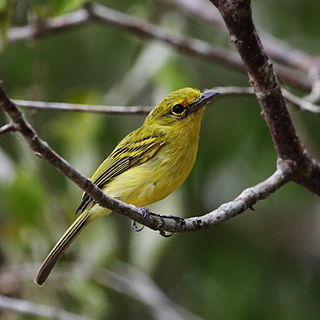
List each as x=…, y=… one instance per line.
x=127, y=154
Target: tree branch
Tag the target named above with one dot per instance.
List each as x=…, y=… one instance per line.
x=31, y=308
x=50, y=26
x=191, y=46
x=300, y=103
x=41, y=105
x=9, y=127
x=245, y=200
x=314, y=95
x=238, y=18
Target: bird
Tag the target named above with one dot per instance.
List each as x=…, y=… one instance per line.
x=146, y=166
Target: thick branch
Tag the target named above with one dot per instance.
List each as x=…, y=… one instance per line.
x=238, y=18
x=31, y=308
x=191, y=46
x=163, y=223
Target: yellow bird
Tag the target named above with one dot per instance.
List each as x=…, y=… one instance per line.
x=146, y=166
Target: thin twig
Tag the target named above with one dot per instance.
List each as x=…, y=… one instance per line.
x=163, y=223
x=300, y=103
x=9, y=127
x=314, y=95
x=27, y=307
x=41, y=105
x=50, y=26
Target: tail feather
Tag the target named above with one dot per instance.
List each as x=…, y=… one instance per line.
x=60, y=247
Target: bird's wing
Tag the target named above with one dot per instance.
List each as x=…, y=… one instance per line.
x=129, y=153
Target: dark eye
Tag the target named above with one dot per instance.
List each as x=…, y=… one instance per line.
x=178, y=109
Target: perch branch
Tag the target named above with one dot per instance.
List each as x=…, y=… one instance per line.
x=156, y=222
x=27, y=307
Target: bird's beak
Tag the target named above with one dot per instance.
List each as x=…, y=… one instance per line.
x=204, y=99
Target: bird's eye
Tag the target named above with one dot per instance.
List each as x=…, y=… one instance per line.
x=178, y=110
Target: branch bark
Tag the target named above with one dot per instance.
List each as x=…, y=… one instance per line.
x=238, y=19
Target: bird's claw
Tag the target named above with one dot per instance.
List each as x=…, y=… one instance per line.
x=135, y=227
x=145, y=212
x=164, y=234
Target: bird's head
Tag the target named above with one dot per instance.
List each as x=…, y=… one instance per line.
x=180, y=107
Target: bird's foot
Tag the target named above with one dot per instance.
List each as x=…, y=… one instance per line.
x=135, y=227
x=164, y=234
x=145, y=212
x=178, y=220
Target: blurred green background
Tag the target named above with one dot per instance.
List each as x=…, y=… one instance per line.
x=263, y=264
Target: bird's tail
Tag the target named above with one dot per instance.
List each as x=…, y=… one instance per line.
x=58, y=250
